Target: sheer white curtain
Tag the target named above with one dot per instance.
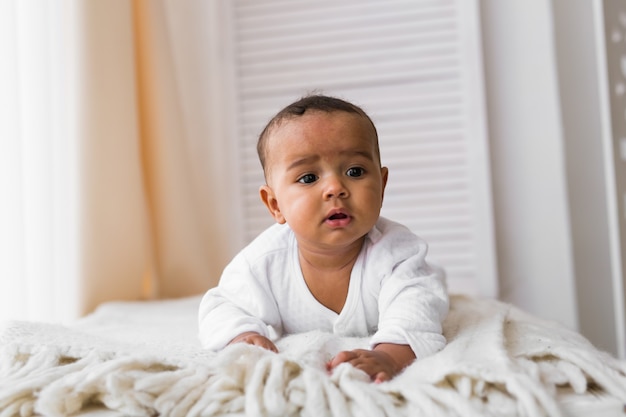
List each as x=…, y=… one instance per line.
x=38, y=239
x=106, y=164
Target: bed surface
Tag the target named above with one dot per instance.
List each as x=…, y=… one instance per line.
x=143, y=358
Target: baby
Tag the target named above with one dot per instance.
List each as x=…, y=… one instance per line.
x=331, y=262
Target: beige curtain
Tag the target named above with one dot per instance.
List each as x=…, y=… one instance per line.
x=110, y=158
x=148, y=227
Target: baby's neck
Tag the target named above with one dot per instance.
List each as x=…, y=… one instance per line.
x=327, y=274
x=330, y=260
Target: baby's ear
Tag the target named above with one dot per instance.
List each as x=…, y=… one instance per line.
x=384, y=171
x=269, y=199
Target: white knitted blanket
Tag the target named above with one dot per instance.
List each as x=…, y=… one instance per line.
x=143, y=359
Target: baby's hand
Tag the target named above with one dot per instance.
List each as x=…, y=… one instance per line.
x=378, y=365
x=253, y=338
x=381, y=364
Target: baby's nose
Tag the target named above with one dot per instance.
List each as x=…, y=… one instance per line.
x=335, y=189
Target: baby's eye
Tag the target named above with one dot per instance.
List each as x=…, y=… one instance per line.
x=355, y=172
x=307, y=179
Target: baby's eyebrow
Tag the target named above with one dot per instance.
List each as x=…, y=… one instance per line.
x=314, y=158
x=303, y=161
x=357, y=152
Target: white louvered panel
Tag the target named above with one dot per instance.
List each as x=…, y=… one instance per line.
x=411, y=66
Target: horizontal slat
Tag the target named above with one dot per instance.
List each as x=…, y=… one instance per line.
x=389, y=98
x=419, y=173
x=246, y=9
x=433, y=237
x=441, y=209
x=361, y=70
x=409, y=163
x=329, y=80
x=302, y=27
x=443, y=223
x=256, y=7
x=434, y=198
x=277, y=12
x=345, y=58
x=424, y=150
x=343, y=48
x=453, y=262
x=425, y=206
x=390, y=139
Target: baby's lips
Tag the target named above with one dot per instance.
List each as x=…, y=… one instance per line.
x=337, y=213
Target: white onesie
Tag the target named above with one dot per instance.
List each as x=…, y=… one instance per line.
x=393, y=294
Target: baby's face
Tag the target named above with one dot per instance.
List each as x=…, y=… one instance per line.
x=324, y=178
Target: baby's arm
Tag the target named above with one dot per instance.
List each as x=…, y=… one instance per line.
x=382, y=363
x=240, y=309
x=412, y=307
x=412, y=304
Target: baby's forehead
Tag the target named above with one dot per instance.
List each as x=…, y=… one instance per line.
x=293, y=128
x=314, y=120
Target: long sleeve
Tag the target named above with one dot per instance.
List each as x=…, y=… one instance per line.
x=413, y=300
x=242, y=302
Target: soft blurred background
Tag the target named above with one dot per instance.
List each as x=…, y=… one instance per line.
x=127, y=142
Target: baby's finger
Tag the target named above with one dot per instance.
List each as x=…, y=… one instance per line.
x=272, y=347
x=265, y=344
x=341, y=357
x=381, y=377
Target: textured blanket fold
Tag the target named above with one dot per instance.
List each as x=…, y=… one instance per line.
x=143, y=359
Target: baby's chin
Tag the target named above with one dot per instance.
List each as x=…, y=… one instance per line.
x=332, y=244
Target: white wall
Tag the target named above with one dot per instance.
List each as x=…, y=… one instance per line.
x=535, y=263
x=553, y=207
x=575, y=37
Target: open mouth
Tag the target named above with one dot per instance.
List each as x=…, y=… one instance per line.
x=338, y=219
x=338, y=216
